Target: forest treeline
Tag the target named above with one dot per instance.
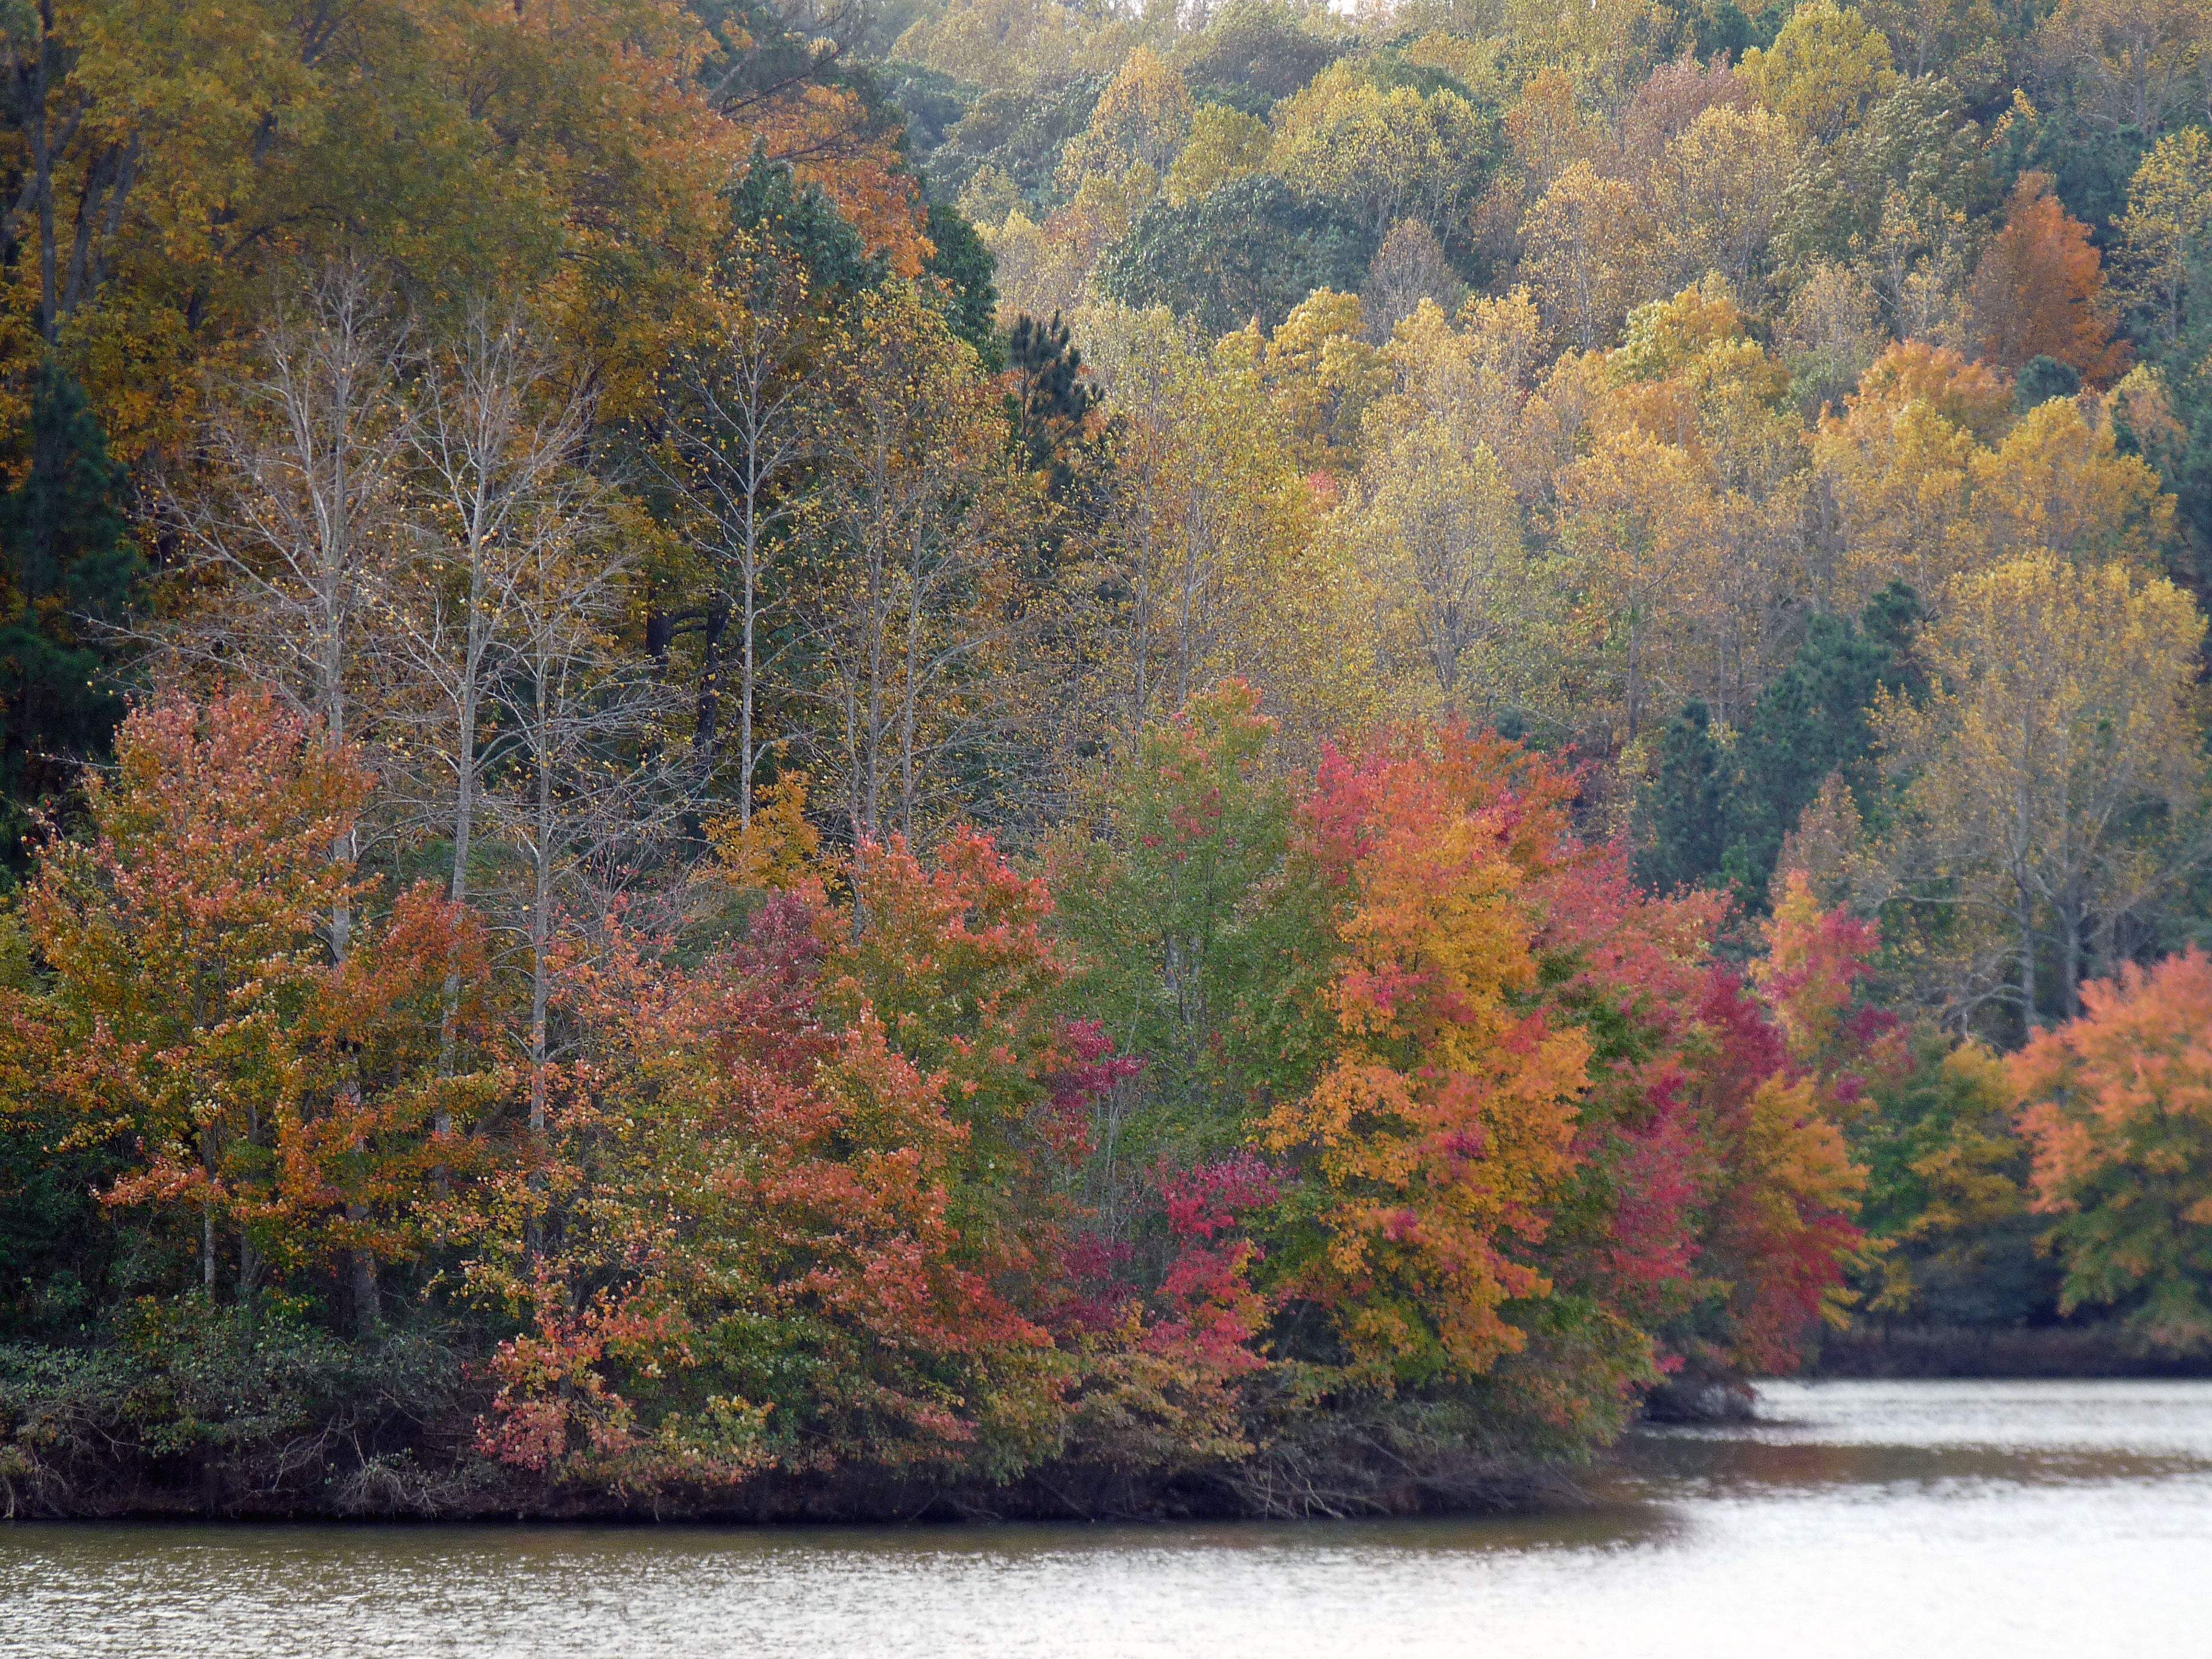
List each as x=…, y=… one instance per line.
x=977, y=758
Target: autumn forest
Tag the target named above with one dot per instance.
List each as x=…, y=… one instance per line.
x=995, y=757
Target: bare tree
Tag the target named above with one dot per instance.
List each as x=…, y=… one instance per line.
x=912, y=528
x=745, y=417
x=581, y=791
x=292, y=532
x=492, y=449
x=293, y=522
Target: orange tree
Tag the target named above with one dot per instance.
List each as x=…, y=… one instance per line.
x=2116, y=1106
x=265, y=1104
x=1530, y=1002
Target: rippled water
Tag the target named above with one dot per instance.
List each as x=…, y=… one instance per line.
x=1951, y=1519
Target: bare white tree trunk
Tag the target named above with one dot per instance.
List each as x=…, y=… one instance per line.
x=746, y=417
x=492, y=444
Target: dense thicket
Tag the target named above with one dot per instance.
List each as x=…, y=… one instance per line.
x=1026, y=758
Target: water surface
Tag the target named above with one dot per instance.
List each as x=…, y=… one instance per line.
x=2022, y=1519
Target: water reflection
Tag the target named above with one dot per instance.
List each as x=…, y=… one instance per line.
x=2034, y=1519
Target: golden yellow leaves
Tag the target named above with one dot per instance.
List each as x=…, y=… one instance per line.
x=1225, y=145
x=1387, y=156
x=1143, y=116
x=1921, y=496
x=2057, y=769
x=774, y=852
x=1822, y=70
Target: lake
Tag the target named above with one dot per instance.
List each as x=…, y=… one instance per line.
x=1957, y=1519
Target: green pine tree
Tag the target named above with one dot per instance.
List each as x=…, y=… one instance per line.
x=72, y=569
x=1683, y=807
x=1717, y=815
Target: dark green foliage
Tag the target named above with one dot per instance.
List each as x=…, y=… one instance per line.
x=1947, y=1177
x=185, y=1404
x=71, y=569
x=1250, y=249
x=1919, y=140
x=1205, y=976
x=756, y=51
x=1048, y=410
x=798, y=225
x=1020, y=135
x=2042, y=379
x=933, y=102
x=1243, y=100
x=1049, y=421
x=2089, y=164
x=56, y=1246
x=2184, y=466
x=1685, y=807
x=1718, y=814
x=1726, y=27
x=1255, y=52
x=965, y=266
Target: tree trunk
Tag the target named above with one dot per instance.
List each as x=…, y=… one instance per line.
x=2069, y=961
x=748, y=670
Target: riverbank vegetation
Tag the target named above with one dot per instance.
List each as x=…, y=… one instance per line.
x=972, y=759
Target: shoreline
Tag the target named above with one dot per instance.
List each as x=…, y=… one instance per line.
x=2054, y=1353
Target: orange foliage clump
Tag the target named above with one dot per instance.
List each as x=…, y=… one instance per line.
x=2117, y=1106
x=1968, y=395
x=2040, y=290
x=247, y=1085
x=1445, y=1127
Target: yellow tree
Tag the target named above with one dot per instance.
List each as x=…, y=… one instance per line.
x=1321, y=375
x=1042, y=269
x=1635, y=515
x=1718, y=194
x=1606, y=48
x=1824, y=69
x=1205, y=564
x=1590, y=244
x=1475, y=378
x=1144, y=115
x=1015, y=45
x=1689, y=376
x=1459, y=607
x=2167, y=230
x=1549, y=132
x=912, y=537
x=1384, y=155
x=2058, y=482
x=2056, y=769
x=1897, y=482
x=176, y=155
x=1893, y=473
x=1829, y=333
x=1225, y=145
x=2135, y=62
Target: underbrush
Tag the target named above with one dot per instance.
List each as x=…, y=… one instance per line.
x=193, y=1409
